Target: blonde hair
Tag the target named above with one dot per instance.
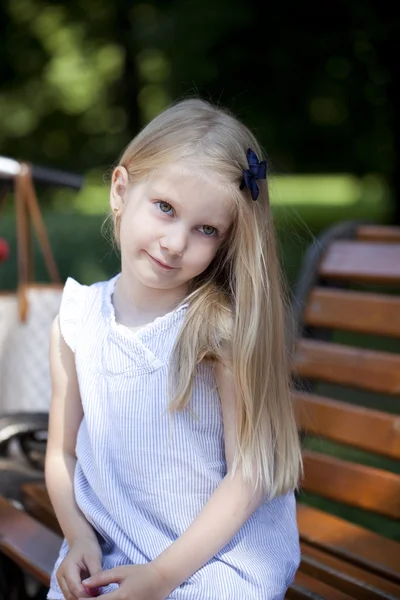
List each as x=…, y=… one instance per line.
x=238, y=302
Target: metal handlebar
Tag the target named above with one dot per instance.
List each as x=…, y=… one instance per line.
x=9, y=168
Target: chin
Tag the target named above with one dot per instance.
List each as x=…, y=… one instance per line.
x=151, y=280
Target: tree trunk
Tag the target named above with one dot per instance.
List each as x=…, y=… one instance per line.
x=388, y=55
x=128, y=88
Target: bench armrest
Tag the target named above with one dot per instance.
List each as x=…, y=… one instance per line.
x=28, y=543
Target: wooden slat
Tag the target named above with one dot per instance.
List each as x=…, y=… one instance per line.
x=364, y=428
x=353, y=311
x=308, y=588
x=350, y=542
x=369, y=262
x=354, y=484
x=28, y=543
x=378, y=233
x=346, y=577
x=356, y=367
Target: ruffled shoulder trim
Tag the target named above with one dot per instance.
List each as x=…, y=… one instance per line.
x=71, y=310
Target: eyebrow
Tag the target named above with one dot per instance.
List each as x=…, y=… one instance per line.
x=157, y=191
x=164, y=197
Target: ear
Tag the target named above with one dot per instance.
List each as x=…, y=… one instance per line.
x=119, y=185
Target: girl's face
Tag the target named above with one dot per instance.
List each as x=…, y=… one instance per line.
x=171, y=226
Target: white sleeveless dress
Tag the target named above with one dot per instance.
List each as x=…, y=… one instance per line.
x=141, y=482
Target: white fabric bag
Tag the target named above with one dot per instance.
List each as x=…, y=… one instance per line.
x=27, y=313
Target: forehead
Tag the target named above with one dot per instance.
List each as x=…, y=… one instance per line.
x=204, y=194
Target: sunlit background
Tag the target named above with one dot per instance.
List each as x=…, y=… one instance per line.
x=78, y=79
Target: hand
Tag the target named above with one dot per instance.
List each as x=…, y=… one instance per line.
x=136, y=582
x=83, y=559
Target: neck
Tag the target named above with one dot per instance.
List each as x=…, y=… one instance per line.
x=136, y=304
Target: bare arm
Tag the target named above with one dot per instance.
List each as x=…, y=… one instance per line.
x=65, y=417
x=230, y=506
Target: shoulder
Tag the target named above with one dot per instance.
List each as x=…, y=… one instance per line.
x=77, y=299
x=74, y=289
x=76, y=294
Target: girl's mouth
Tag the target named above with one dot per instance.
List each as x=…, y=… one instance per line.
x=161, y=264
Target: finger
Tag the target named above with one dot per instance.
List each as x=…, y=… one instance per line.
x=93, y=564
x=63, y=585
x=72, y=577
x=65, y=589
x=114, y=595
x=105, y=578
x=92, y=592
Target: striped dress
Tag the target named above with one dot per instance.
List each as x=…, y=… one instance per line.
x=141, y=478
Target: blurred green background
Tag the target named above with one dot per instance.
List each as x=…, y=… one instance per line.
x=79, y=79
x=319, y=89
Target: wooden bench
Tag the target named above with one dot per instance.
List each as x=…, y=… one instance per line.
x=25, y=546
x=344, y=287
x=34, y=548
x=346, y=367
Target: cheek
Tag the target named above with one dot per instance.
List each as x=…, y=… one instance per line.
x=136, y=227
x=204, y=252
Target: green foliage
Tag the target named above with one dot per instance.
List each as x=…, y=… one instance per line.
x=301, y=205
x=80, y=78
x=81, y=249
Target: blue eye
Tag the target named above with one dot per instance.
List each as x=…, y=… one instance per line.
x=208, y=230
x=164, y=207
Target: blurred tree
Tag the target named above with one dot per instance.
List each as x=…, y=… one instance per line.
x=61, y=101
x=320, y=88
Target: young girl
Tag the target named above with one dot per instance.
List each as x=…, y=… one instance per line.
x=173, y=452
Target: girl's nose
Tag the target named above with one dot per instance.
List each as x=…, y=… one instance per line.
x=175, y=242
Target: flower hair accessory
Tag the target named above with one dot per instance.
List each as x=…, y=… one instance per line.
x=256, y=170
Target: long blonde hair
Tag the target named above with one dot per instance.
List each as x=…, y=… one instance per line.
x=238, y=302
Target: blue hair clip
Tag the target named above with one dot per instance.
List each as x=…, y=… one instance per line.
x=256, y=170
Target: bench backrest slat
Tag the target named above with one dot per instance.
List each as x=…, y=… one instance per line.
x=365, y=369
x=370, y=430
x=364, y=312
x=372, y=262
x=378, y=233
x=346, y=367
x=352, y=483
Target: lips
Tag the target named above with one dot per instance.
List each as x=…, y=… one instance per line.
x=162, y=264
